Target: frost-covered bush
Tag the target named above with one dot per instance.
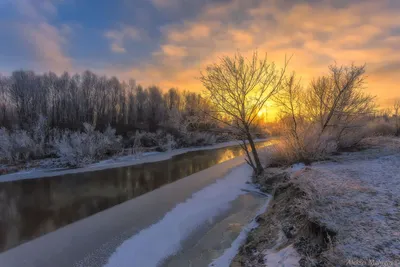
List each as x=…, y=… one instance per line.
x=22, y=145
x=380, y=127
x=198, y=139
x=306, y=145
x=167, y=143
x=39, y=134
x=6, y=146
x=159, y=140
x=16, y=146
x=136, y=144
x=224, y=137
x=80, y=148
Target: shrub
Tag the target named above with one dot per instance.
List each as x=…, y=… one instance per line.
x=21, y=145
x=167, y=143
x=198, y=139
x=81, y=148
x=224, y=137
x=307, y=147
x=380, y=127
x=6, y=146
x=15, y=146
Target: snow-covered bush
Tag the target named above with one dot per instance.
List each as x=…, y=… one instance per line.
x=6, y=146
x=137, y=147
x=24, y=145
x=167, y=143
x=15, y=146
x=305, y=146
x=224, y=137
x=159, y=140
x=39, y=133
x=380, y=127
x=80, y=148
x=198, y=139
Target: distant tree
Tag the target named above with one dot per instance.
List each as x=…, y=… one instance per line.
x=68, y=101
x=238, y=89
x=396, y=109
x=156, y=108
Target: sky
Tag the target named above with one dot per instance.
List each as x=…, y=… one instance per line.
x=168, y=42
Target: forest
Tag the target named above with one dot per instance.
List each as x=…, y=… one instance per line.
x=85, y=117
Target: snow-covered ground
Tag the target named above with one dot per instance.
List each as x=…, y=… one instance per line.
x=341, y=212
x=226, y=258
x=361, y=203
x=357, y=196
x=114, y=162
x=150, y=246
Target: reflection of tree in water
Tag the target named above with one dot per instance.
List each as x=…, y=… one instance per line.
x=31, y=208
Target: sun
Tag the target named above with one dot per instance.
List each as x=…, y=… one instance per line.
x=262, y=112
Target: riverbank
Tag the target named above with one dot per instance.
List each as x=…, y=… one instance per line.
x=180, y=216
x=340, y=212
x=113, y=162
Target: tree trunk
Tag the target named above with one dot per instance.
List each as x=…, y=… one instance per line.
x=259, y=169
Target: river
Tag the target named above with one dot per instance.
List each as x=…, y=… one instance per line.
x=35, y=207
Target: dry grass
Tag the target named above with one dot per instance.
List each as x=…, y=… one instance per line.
x=336, y=212
x=308, y=145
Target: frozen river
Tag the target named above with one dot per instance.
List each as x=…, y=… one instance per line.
x=164, y=212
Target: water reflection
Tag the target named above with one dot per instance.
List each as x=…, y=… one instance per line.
x=31, y=208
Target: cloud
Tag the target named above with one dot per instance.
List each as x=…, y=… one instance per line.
x=317, y=33
x=187, y=35
x=174, y=51
x=119, y=37
x=47, y=41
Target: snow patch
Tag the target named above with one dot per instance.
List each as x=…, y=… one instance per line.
x=296, y=167
x=154, y=244
x=286, y=257
x=226, y=258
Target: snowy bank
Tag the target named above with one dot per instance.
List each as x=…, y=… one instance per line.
x=341, y=212
x=154, y=244
x=115, y=162
x=226, y=258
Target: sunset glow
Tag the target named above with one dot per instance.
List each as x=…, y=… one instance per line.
x=167, y=43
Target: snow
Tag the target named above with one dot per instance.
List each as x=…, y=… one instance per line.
x=116, y=162
x=286, y=257
x=150, y=246
x=365, y=187
x=296, y=167
x=225, y=259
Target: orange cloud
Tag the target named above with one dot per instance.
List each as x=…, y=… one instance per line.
x=316, y=35
x=174, y=51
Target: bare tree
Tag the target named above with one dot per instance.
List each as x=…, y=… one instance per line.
x=290, y=101
x=238, y=89
x=68, y=101
x=396, y=109
x=336, y=100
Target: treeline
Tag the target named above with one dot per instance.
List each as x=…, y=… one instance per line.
x=68, y=101
x=78, y=119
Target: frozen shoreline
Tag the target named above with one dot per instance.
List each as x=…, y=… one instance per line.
x=91, y=241
x=117, y=162
x=229, y=254
x=154, y=244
